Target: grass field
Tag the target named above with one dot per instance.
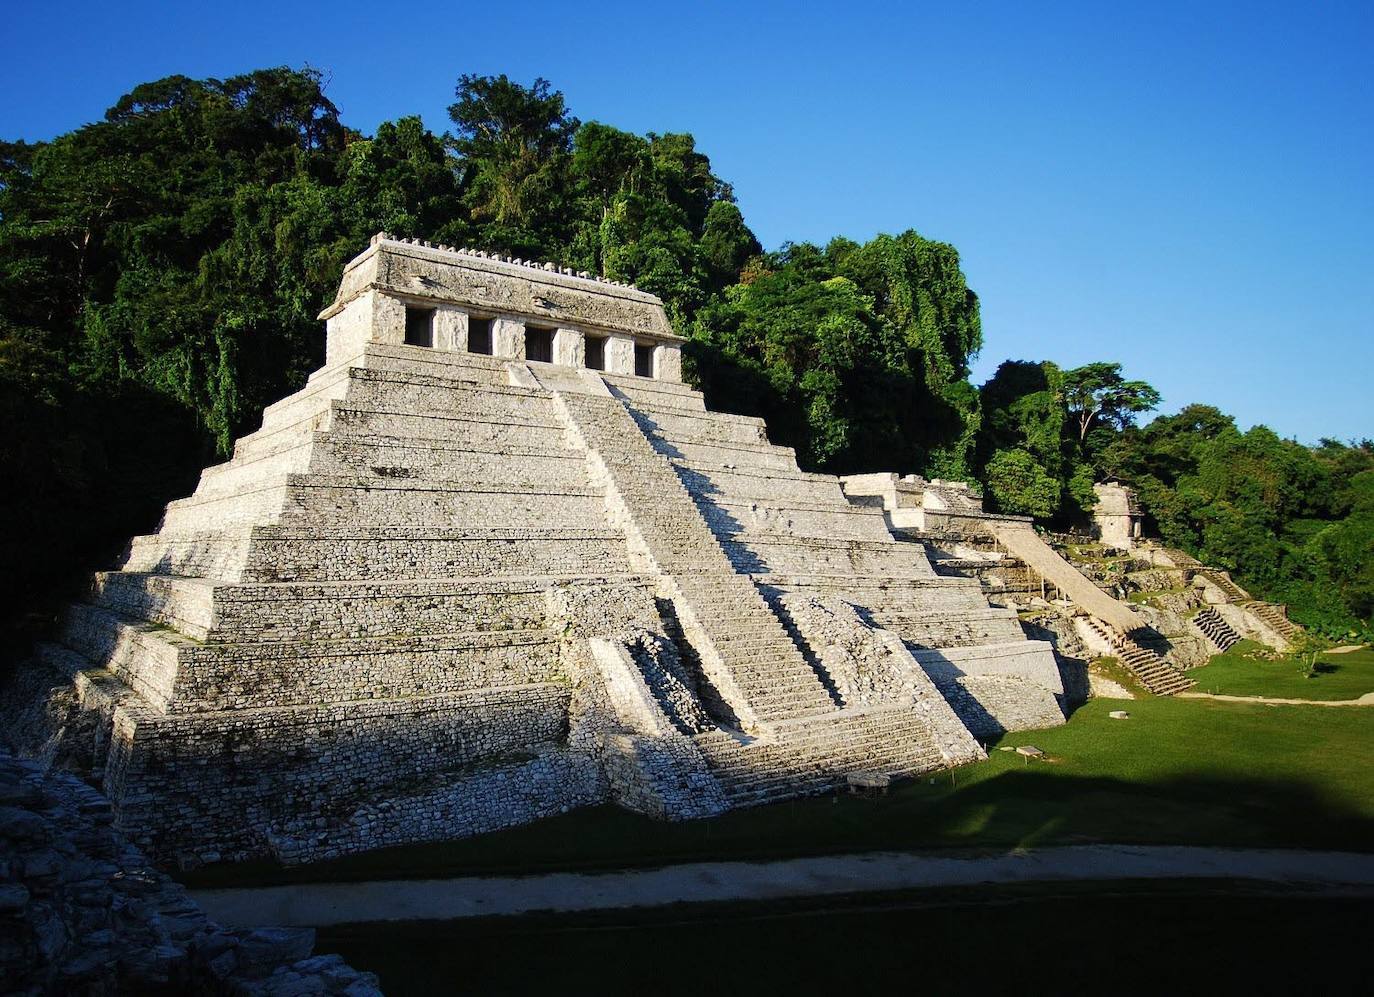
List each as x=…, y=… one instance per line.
x=1177, y=772
x=1338, y=676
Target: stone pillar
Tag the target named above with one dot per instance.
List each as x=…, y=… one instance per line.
x=508, y=338
x=450, y=328
x=668, y=362
x=388, y=319
x=569, y=348
x=347, y=331
x=620, y=354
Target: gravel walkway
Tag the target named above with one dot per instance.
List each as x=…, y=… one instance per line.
x=323, y=904
x=1366, y=700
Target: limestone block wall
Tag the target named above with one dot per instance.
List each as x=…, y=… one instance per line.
x=202, y=554
x=342, y=500
x=370, y=553
x=460, y=805
x=348, y=331
x=180, y=782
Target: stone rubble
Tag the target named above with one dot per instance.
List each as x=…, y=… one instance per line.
x=82, y=911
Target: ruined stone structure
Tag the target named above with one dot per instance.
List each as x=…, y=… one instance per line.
x=1012, y=561
x=1117, y=517
x=1180, y=612
x=496, y=561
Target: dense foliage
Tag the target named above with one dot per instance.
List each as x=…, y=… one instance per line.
x=1294, y=523
x=161, y=270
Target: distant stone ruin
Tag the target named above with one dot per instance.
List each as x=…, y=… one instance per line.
x=495, y=561
x=1157, y=610
x=1117, y=518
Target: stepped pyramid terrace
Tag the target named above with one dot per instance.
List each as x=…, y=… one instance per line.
x=496, y=561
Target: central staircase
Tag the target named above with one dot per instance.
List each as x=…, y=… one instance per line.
x=1233, y=592
x=794, y=739
x=725, y=609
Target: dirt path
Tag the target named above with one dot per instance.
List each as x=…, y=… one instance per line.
x=1366, y=700
x=444, y=899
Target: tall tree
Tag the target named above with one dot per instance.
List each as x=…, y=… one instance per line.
x=1097, y=392
x=514, y=144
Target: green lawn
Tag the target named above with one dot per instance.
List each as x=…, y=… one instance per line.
x=1177, y=772
x=1339, y=676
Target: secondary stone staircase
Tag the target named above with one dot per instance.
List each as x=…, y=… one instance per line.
x=1180, y=559
x=1233, y=592
x=1215, y=628
x=745, y=638
x=817, y=754
x=1275, y=617
x=1156, y=674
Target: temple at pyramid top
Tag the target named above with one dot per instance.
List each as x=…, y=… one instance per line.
x=410, y=292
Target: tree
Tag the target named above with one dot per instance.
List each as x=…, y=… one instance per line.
x=513, y=144
x=1098, y=392
x=1019, y=485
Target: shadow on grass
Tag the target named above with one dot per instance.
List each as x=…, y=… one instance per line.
x=1057, y=939
x=1015, y=808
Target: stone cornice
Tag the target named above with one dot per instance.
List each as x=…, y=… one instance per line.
x=500, y=285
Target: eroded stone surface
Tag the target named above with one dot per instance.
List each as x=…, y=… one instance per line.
x=82, y=911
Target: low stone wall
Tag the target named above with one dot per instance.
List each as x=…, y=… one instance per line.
x=991, y=706
x=208, y=785
x=447, y=808
x=82, y=911
x=999, y=689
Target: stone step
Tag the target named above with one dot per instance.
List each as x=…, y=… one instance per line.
x=342, y=553
x=351, y=419
x=817, y=754
x=330, y=500
x=771, y=673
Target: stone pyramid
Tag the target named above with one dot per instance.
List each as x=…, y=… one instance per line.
x=495, y=561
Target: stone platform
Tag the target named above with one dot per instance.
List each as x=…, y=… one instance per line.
x=494, y=562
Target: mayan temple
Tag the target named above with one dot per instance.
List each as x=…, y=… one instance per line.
x=496, y=561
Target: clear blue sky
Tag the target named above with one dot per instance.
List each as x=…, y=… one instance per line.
x=1186, y=188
